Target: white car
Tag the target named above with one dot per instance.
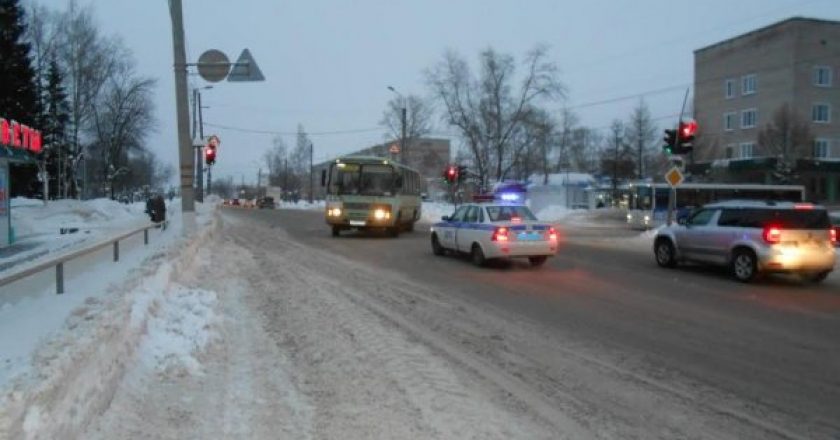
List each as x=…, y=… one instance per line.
x=490, y=231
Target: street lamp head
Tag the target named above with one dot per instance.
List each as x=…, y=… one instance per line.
x=391, y=88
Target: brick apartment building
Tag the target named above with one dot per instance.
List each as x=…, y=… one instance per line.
x=741, y=84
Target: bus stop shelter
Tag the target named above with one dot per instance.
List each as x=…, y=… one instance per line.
x=7, y=157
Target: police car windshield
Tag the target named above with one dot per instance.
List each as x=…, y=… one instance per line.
x=508, y=213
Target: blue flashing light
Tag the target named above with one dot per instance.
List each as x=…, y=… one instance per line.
x=510, y=197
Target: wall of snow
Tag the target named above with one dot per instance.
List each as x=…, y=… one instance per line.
x=75, y=373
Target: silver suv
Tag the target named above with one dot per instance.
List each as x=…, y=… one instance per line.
x=752, y=238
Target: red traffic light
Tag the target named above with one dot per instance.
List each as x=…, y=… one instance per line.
x=452, y=172
x=688, y=129
x=210, y=156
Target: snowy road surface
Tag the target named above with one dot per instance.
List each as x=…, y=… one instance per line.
x=301, y=350
x=267, y=327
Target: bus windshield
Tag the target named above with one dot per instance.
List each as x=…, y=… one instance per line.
x=362, y=179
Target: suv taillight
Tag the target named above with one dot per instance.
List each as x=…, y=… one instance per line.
x=772, y=234
x=500, y=234
x=833, y=234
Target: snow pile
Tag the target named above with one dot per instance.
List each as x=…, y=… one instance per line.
x=37, y=228
x=113, y=315
x=62, y=357
x=180, y=326
x=563, y=179
x=431, y=212
x=32, y=217
x=302, y=204
x=555, y=214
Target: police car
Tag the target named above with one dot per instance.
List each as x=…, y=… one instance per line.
x=495, y=230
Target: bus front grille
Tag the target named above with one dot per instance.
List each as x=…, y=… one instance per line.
x=357, y=206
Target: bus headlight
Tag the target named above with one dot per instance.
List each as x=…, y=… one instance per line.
x=381, y=214
x=334, y=212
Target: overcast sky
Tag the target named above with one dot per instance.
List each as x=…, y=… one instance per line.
x=328, y=63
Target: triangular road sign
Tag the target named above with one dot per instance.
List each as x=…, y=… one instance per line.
x=245, y=69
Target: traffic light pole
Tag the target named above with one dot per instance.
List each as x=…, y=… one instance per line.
x=199, y=158
x=672, y=195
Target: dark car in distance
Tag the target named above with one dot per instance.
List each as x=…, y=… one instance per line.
x=266, y=203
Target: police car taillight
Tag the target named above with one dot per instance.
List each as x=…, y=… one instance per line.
x=552, y=234
x=500, y=234
x=772, y=234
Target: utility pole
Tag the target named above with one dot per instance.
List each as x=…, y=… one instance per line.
x=183, y=118
x=403, y=123
x=311, y=173
x=641, y=147
x=403, y=146
x=259, y=181
x=615, y=169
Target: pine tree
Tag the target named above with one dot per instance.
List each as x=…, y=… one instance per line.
x=55, y=119
x=18, y=98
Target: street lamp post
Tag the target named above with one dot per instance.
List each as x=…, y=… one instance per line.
x=403, y=152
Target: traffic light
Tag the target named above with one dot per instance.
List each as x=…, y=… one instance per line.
x=462, y=173
x=681, y=140
x=209, y=155
x=210, y=150
x=687, y=131
x=451, y=174
x=670, y=140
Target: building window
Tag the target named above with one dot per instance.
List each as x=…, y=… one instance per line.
x=822, y=76
x=729, y=120
x=821, y=113
x=821, y=148
x=729, y=88
x=748, y=84
x=749, y=118
x=746, y=150
x=730, y=151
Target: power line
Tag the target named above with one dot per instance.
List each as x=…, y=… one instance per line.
x=292, y=133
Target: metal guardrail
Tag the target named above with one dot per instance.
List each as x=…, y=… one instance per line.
x=58, y=263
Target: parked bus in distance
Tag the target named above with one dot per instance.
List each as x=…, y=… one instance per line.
x=648, y=202
x=371, y=193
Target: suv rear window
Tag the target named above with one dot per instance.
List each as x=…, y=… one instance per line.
x=784, y=218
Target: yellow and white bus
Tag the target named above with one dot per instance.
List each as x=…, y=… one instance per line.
x=371, y=193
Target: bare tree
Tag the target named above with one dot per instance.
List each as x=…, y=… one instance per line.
x=584, y=150
x=616, y=160
x=418, y=118
x=89, y=61
x=489, y=113
x=641, y=135
x=123, y=114
x=568, y=124
x=788, y=138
